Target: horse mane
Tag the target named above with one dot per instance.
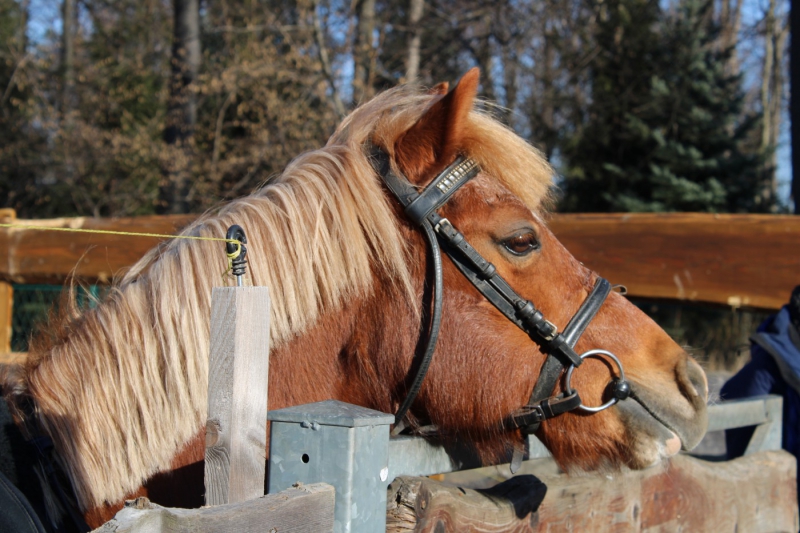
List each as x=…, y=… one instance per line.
x=122, y=387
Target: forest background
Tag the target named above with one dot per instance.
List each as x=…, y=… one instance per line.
x=131, y=107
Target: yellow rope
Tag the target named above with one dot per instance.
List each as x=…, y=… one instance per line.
x=231, y=256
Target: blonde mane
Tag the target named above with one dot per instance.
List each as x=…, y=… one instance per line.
x=122, y=388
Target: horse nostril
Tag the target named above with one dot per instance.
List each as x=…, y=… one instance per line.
x=697, y=377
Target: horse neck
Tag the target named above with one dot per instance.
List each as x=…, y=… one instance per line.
x=357, y=354
x=309, y=368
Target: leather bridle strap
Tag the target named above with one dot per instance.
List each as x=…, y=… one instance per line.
x=420, y=208
x=540, y=406
x=433, y=331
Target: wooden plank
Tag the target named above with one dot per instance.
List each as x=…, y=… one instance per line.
x=757, y=493
x=238, y=368
x=301, y=509
x=421, y=504
x=6, y=315
x=13, y=358
x=737, y=260
x=743, y=412
x=36, y=256
x=768, y=436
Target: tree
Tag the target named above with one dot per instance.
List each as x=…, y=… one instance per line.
x=415, y=9
x=20, y=144
x=665, y=131
x=364, y=53
x=776, y=32
x=182, y=111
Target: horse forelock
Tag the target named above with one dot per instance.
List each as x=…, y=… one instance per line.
x=121, y=388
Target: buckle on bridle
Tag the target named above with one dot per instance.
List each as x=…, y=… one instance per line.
x=552, y=333
x=439, y=224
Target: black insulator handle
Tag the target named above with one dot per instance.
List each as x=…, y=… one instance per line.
x=238, y=263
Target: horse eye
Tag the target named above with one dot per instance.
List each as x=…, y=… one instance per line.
x=521, y=244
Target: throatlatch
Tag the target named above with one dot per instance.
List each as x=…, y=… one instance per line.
x=421, y=209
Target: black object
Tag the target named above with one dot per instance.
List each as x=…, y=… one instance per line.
x=794, y=305
x=16, y=513
x=238, y=262
x=620, y=389
x=420, y=208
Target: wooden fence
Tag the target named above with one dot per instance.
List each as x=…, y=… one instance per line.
x=735, y=260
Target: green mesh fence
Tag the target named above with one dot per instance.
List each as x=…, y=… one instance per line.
x=32, y=304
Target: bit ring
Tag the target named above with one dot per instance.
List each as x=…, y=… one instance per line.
x=596, y=354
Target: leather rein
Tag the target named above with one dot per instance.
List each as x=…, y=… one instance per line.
x=421, y=208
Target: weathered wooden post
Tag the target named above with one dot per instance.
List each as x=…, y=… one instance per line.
x=344, y=445
x=238, y=369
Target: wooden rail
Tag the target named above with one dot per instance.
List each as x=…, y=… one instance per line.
x=300, y=509
x=756, y=493
x=736, y=260
x=36, y=256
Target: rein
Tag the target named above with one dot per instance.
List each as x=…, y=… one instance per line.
x=421, y=208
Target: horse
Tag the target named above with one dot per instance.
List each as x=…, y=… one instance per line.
x=121, y=388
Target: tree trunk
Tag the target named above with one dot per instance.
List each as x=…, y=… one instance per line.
x=775, y=36
x=182, y=109
x=510, y=53
x=325, y=61
x=415, y=8
x=768, y=193
x=67, y=55
x=484, y=57
x=22, y=31
x=363, y=56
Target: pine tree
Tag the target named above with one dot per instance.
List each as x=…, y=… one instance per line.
x=666, y=130
x=20, y=145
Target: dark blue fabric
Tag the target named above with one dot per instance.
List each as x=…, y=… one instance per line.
x=773, y=367
x=18, y=462
x=16, y=514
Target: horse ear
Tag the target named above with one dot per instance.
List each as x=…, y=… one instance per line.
x=435, y=140
x=440, y=88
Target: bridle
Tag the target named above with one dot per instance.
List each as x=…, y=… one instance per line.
x=420, y=207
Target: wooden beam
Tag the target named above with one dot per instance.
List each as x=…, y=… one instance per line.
x=757, y=493
x=238, y=369
x=736, y=260
x=37, y=256
x=13, y=358
x=301, y=509
x=6, y=315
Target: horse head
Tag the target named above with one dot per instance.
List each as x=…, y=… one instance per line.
x=486, y=366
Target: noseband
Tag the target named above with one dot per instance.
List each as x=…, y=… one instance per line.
x=421, y=209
